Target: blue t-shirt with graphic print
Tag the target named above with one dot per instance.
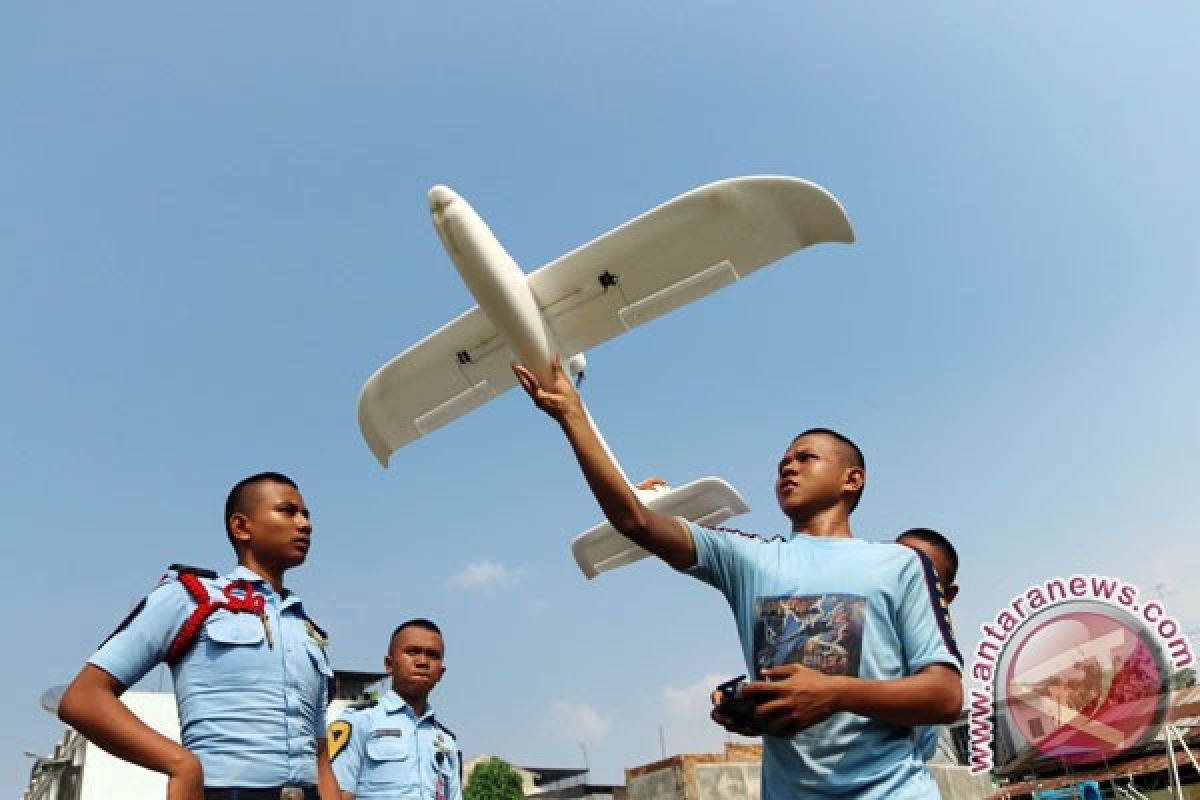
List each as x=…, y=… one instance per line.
x=843, y=606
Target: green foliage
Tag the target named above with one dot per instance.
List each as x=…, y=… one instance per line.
x=1183, y=678
x=494, y=779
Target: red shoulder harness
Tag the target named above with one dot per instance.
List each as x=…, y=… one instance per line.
x=248, y=602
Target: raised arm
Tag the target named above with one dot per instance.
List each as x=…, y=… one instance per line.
x=664, y=536
x=92, y=706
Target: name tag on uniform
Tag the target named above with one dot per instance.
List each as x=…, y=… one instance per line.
x=388, y=732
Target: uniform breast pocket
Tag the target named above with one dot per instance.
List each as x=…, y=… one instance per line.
x=390, y=764
x=233, y=645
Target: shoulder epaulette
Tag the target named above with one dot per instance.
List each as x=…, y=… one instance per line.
x=125, y=622
x=199, y=572
x=444, y=728
x=363, y=705
x=177, y=569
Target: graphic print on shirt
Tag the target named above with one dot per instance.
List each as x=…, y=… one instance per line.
x=823, y=632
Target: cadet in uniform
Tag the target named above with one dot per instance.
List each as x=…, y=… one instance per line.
x=250, y=670
x=395, y=747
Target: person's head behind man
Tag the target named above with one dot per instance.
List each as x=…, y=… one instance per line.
x=267, y=522
x=821, y=472
x=939, y=551
x=415, y=660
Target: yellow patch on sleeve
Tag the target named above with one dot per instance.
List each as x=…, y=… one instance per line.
x=339, y=737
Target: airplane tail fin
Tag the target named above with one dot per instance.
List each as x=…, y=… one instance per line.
x=708, y=501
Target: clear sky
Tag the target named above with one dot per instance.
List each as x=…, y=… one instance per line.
x=213, y=229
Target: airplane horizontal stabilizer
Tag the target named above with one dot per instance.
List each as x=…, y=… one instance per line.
x=708, y=501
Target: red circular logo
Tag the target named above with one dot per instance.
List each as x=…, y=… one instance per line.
x=1086, y=683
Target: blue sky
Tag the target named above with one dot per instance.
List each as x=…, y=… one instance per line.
x=213, y=229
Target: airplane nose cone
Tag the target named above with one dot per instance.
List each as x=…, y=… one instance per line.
x=440, y=197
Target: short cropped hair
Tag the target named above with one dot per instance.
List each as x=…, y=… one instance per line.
x=854, y=455
x=419, y=622
x=238, y=501
x=932, y=537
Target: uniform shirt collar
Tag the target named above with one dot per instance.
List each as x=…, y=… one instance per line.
x=244, y=573
x=392, y=702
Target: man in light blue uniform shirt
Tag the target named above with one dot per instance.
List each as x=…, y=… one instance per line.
x=941, y=553
x=848, y=653
x=395, y=747
x=250, y=670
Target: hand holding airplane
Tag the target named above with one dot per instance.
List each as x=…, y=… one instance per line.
x=558, y=397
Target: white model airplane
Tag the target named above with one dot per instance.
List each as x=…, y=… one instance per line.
x=668, y=257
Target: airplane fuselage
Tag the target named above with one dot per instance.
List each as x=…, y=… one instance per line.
x=493, y=277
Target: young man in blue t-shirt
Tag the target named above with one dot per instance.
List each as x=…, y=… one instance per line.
x=841, y=634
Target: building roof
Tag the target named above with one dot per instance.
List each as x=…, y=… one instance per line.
x=1151, y=758
x=353, y=684
x=577, y=792
x=1145, y=765
x=735, y=752
x=551, y=774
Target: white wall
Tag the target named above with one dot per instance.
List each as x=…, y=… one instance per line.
x=107, y=778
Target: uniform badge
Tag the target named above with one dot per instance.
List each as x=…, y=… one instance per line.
x=315, y=633
x=441, y=745
x=339, y=737
x=388, y=732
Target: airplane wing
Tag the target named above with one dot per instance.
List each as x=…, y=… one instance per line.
x=681, y=251
x=453, y=370
x=668, y=257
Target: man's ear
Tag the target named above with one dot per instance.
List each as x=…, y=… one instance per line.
x=855, y=478
x=951, y=592
x=239, y=527
x=387, y=664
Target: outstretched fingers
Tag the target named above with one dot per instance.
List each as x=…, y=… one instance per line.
x=544, y=398
x=555, y=395
x=526, y=379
